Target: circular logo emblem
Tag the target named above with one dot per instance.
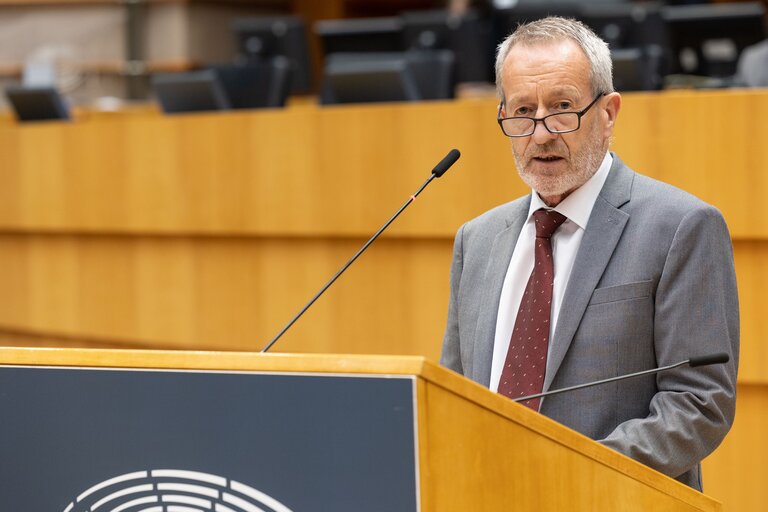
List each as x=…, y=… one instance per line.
x=173, y=490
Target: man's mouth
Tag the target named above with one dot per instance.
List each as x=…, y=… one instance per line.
x=547, y=158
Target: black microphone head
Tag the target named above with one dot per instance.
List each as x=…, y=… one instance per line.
x=718, y=358
x=446, y=163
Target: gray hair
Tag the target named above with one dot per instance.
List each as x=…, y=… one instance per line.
x=555, y=28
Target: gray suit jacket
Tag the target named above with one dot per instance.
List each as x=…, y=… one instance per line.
x=653, y=283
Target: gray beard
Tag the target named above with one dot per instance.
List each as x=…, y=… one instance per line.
x=583, y=166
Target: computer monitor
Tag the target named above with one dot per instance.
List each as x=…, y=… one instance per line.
x=707, y=39
x=353, y=78
x=253, y=85
x=507, y=19
x=468, y=37
x=37, y=103
x=196, y=91
x=263, y=38
x=434, y=72
x=627, y=25
x=360, y=35
x=635, y=70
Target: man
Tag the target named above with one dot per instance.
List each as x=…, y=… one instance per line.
x=643, y=272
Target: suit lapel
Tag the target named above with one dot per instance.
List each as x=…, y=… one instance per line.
x=606, y=224
x=493, y=281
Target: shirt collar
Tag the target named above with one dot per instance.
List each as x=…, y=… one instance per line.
x=579, y=203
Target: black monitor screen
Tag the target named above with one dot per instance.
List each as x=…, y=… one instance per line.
x=360, y=35
x=37, y=103
x=189, y=92
x=469, y=37
x=264, y=38
x=507, y=19
x=361, y=80
x=635, y=70
x=255, y=85
x=627, y=25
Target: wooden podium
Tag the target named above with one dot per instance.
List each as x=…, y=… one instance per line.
x=376, y=433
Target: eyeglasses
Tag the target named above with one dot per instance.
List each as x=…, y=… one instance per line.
x=561, y=122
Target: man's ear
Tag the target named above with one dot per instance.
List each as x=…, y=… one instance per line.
x=611, y=109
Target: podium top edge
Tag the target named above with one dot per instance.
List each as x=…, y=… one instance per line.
x=215, y=361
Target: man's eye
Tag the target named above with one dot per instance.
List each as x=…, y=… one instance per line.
x=523, y=111
x=564, y=105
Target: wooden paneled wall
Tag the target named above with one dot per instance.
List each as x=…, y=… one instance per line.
x=210, y=231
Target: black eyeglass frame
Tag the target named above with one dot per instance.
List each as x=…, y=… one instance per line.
x=543, y=121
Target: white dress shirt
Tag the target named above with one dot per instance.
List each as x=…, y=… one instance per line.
x=577, y=207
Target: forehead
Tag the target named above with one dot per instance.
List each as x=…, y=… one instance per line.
x=545, y=67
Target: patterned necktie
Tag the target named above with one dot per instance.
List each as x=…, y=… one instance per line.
x=526, y=361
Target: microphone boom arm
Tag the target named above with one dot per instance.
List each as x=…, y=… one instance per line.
x=437, y=172
x=692, y=362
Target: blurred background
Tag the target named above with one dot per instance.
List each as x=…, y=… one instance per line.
x=257, y=53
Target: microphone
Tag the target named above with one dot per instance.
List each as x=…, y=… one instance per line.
x=718, y=358
x=440, y=169
x=443, y=165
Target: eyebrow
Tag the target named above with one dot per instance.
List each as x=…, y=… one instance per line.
x=560, y=91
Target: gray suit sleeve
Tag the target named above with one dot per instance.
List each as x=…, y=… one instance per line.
x=696, y=313
x=451, y=353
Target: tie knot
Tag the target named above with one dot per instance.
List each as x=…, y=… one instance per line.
x=547, y=222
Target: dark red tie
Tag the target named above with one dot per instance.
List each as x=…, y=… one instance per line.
x=526, y=361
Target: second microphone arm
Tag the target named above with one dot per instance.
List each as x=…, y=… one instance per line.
x=718, y=358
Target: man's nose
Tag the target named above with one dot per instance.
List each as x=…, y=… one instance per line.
x=541, y=135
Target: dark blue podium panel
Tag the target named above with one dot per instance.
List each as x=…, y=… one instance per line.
x=106, y=440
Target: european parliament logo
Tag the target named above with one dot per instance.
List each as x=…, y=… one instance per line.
x=173, y=490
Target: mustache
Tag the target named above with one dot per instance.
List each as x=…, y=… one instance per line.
x=549, y=149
